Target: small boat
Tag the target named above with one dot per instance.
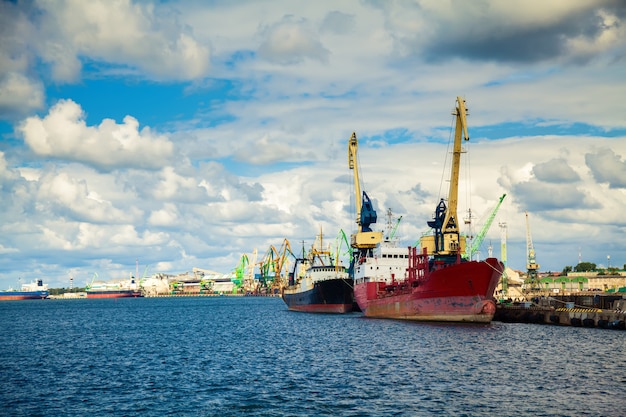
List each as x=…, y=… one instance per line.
x=435, y=283
x=32, y=291
x=318, y=283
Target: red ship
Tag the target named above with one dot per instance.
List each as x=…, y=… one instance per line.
x=436, y=283
x=113, y=289
x=113, y=293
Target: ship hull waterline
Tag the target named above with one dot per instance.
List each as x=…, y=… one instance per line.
x=456, y=293
x=114, y=294
x=38, y=295
x=330, y=296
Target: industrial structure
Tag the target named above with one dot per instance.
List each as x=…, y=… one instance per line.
x=532, y=267
x=472, y=250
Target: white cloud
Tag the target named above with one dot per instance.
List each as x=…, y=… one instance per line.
x=167, y=216
x=70, y=198
x=136, y=35
x=171, y=183
x=291, y=41
x=257, y=153
x=19, y=95
x=63, y=133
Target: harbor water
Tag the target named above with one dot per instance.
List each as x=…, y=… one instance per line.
x=250, y=356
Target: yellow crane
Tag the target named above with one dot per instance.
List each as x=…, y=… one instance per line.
x=447, y=239
x=281, y=264
x=364, y=238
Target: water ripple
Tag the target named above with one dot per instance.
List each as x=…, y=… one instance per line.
x=251, y=357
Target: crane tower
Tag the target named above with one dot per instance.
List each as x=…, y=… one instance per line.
x=531, y=264
x=503, y=237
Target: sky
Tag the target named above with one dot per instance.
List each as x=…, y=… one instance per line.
x=170, y=135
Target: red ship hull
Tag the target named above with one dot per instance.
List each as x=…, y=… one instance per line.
x=12, y=297
x=114, y=294
x=461, y=292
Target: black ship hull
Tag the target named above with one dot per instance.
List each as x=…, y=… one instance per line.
x=328, y=296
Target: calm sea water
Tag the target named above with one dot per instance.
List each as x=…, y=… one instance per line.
x=246, y=356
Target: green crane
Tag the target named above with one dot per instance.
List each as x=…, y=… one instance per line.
x=481, y=235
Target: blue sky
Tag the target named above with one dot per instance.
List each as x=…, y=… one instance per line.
x=185, y=134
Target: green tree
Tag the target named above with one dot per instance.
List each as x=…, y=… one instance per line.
x=585, y=267
x=566, y=270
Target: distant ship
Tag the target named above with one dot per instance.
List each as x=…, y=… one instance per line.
x=31, y=291
x=318, y=283
x=113, y=289
x=433, y=284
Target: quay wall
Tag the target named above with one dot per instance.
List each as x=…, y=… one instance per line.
x=575, y=316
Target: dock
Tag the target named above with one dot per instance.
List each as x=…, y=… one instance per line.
x=555, y=312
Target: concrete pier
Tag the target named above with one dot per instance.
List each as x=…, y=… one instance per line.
x=562, y=316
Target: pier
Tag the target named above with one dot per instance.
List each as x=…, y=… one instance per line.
x=553, y=311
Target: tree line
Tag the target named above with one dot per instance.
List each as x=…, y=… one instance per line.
x=591, y=267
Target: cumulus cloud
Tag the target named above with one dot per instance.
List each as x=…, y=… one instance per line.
x=166, y=216
x=268, y=149
x=502, y=31
x=71, y=199
x=540, y=196
x=64, y=134
x=607, y=167
x=546, y=186
x=20, y=91
x=555, y=171
x=291, y=41
x=142, y=38
x=135, y=35
x=270, y=161
x=338, y=23
x=173, y=186
x=19, y=95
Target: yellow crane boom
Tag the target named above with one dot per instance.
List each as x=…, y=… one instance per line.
x=364, y=238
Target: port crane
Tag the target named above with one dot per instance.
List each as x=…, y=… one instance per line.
x=392, y=228
x=503, y=238
x=240, y=272
x=364, y=239
x=447, y=241
x=531, y=264
x=471, y=251
x=249, y=284
x=281, y=264
x=342, y=240
x=272, y=265
x=267, y=266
